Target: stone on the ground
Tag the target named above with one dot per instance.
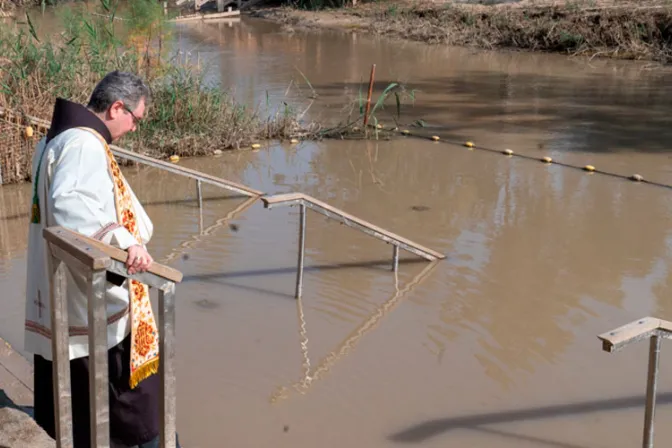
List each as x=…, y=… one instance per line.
x=19, y=430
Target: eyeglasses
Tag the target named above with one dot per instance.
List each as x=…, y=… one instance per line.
x=136, y=120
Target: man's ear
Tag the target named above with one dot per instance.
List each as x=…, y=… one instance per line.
x=116, y=109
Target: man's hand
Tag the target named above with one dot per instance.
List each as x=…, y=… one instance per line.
x=138, y=260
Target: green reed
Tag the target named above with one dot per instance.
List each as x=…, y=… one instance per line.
x=187, y=116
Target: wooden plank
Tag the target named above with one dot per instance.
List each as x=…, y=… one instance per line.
x=280, y=198
x=666, y=326
x=82, y=247
x=640, y=329
x=16, y=376
x=216, y=15
x=91, y=257
x=151, y=280
x=312, y=202
x=67, y=258
x=12, y=387
x=16, y=364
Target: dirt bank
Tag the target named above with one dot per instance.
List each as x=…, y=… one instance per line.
x=615, y=28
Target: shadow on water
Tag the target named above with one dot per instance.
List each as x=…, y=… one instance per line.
x=219, y=276
x=432, y=428
x=591, y=113
x=526, y=438
x=375, y=264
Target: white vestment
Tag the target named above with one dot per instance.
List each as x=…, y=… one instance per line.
x=76, y=191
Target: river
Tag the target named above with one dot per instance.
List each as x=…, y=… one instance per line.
x=494, y=346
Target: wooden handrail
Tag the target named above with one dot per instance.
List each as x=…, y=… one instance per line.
x=96, y=255
x=352, y=221
x=615, y=340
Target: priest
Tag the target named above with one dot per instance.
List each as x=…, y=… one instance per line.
x=77, y=184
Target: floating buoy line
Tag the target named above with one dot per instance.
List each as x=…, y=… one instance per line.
x=546, y=160
x=29, y=132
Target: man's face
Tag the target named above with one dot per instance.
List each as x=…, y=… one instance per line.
x=123, y=119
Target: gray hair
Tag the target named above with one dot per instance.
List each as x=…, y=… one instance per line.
x=118, y=86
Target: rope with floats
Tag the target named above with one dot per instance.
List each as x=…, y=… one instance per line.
x=42, y=125
x=545, y=160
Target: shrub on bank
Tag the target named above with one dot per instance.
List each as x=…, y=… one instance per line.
x=626, y=31
x=187, y=117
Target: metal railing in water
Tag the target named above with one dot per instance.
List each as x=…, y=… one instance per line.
x=96, y=259
x=305, y=201
x=646, y=328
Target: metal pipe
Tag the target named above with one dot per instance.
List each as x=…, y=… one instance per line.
x=302, y=249
x=99, y=403
x=651, y=386
x=368, y=97
x=395, y=258
x=199, y=194
x=60, y=354
x=167, y=407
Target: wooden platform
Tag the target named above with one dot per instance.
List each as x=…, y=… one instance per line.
x=16, y=377
x=210, y=16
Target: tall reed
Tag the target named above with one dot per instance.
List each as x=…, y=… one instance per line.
x=187, y=116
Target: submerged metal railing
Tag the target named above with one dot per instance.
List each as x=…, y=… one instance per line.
x=646, y=328
x=96, y=259
x=305, y=201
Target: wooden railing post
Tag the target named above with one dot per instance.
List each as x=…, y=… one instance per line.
x=167, y=365
x=98, y=370
x=60, y=356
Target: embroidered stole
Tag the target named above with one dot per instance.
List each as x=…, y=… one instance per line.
x=144, y=333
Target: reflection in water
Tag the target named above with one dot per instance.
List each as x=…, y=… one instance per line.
x=183, y=247
x=578, y=105
x=350, y=342
x=540, y=258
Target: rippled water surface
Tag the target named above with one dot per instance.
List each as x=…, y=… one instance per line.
x=494, y=346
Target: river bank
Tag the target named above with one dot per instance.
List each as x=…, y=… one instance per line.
x=614, y=28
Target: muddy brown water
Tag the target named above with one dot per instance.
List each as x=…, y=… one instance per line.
x=494, y=346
